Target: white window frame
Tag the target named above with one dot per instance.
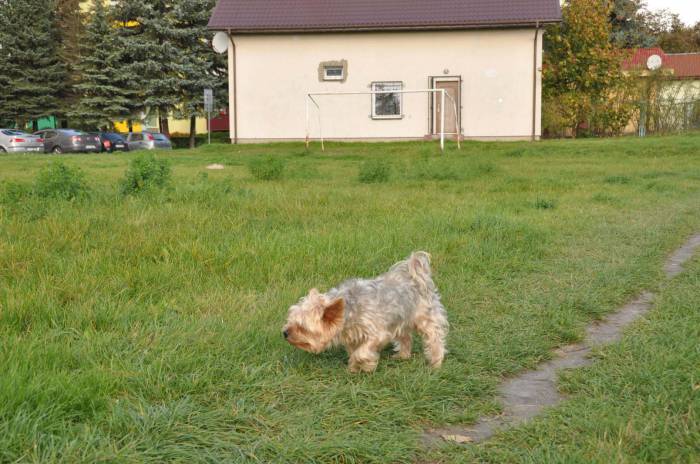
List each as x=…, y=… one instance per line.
x=374, y=100
x=327, y=77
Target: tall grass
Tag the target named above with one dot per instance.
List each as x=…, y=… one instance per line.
x=147, y=327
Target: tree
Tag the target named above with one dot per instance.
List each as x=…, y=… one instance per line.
x=104, y=93
x=583, y=71
x=628, y=19
x=198, y=66
x=33, y=73
x=149, y=56
x=69, y=22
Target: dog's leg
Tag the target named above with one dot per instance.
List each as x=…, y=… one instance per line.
x=364, y=359
x=403, y=346
x=431, y=323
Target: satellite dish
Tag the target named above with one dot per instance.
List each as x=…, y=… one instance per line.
x=220, y=42
x=654, y=62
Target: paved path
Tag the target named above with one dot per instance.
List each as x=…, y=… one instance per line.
x=527, y=395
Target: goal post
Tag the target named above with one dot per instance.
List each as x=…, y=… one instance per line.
x=312, y=99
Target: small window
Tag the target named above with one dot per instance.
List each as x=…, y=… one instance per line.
x=333, y=73
x=386, y=105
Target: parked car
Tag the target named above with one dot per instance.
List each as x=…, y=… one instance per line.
x=148, y=141
x=17, y=141
x=69, y=141
x=111, y=141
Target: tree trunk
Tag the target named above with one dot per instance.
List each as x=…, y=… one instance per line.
x=35, y=125
x=130, y=123
x=193, y=131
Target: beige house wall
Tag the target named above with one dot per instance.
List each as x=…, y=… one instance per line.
x=273, y=74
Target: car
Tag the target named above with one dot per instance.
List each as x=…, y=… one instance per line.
x=148, y=141
x=59, y=141
x=111, y=141
x=17, y=141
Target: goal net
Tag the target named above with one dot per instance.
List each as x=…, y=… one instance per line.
x=386, y=112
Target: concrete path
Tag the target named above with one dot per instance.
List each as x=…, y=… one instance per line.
x=527, y=395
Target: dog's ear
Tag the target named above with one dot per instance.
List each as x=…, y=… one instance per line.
x=333, y=313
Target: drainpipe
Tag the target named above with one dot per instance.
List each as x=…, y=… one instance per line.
x=235, y=89
x=534, y=82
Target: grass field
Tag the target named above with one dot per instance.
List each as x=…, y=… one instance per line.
x=147, y=327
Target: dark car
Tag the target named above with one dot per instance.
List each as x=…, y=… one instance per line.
x=69, y=141
x=148, y=141
x=111, y=141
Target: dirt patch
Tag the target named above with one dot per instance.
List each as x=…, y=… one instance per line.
x=527, y=395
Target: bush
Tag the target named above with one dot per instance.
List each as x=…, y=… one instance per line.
x=266, y=168
x=145, y=172
x=374, y=172
x=61, y=182
x=13, y=192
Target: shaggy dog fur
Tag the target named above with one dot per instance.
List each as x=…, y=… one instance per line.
x=365, y=316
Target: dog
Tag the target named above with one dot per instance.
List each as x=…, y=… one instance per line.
x=365, y=316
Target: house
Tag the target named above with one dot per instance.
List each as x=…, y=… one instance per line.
x=486, y=54
x=670, y=90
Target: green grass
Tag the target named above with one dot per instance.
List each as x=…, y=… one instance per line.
x=147, y=328
x=639, y=403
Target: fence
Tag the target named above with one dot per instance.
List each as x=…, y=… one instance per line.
x=667, y=117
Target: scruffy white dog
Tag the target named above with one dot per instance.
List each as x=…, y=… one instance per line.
x=365, y=316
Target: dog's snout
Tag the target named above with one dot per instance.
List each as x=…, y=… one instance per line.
x=285, y=333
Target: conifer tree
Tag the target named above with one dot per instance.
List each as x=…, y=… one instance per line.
x=198, y=66
x=104, y=93
x=34, y=74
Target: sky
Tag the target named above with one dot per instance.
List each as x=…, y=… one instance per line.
x=689, y=10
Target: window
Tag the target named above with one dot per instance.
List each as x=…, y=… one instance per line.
x=333, y=73
x=386, y=105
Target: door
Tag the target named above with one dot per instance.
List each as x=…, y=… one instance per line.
x=452, y=118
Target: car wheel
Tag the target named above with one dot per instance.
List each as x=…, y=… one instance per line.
x=57, y=150
x=2, y=150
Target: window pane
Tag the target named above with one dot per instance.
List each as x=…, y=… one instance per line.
x=334, y=71
x=387, y=104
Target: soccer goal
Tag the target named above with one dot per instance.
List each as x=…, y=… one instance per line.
x=316, y=99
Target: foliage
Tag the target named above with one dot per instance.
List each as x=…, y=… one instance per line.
x=198, y=66
x=60, y=181
x=666, y=105
x=628, y=19
x=104, y=91
x=145, y=173
x=583, y=73
x=33, y=75
x=266, y=167
x=374, y=171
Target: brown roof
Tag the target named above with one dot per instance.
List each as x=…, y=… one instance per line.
x=270, y=16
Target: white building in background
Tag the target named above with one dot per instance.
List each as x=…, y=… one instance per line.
x=486, y=55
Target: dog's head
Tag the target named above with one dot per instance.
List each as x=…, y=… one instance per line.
x=313, y=323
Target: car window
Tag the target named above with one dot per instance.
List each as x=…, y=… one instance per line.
x=49, y=134
x=136, y=137
x=14, y=132
x=115, y=137
x=160, y=137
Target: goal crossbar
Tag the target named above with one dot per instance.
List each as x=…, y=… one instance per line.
x=443, y=96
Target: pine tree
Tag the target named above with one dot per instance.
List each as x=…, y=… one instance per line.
x=32, y=68
x=198, y=66
x=104, y=93
x=149, y=56
x=628, y=20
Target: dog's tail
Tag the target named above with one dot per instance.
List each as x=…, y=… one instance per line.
x=419, y=269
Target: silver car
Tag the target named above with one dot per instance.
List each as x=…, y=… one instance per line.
x=147, y=141
x=17, y=141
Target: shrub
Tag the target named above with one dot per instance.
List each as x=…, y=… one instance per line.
x=374, y=172
x=266, y=168
x=145, y=172
x=617, y=180
x=543, y=203
x=61, y=182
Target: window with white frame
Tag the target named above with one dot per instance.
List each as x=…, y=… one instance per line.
x=333, y=73
x=386, y=105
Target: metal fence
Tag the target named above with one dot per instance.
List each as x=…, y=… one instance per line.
x=667, y=117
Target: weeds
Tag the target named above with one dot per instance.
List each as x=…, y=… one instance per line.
x=145, y=172
x=62, y=182
x=266, y=167
x=374, y=171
